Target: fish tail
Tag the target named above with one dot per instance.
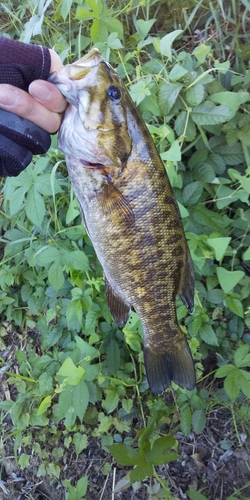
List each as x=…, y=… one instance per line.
x=173, y=364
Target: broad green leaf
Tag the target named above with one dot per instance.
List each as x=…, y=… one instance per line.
x=81, y=487
x=208, y=335
x=46, y=255
x=75, y=259
x=228, y=279
x=186, y=418
x=140, y=472
x=166, y=43
x=35, y=207
x=86, y=349
x=225, y=196
x=195, y=94
x=80, y=441
x=163, y=458
x=196, y=324
x=219, y=245
x=124, y=455
x=168, y=94
x=74, y=314
x=173, y=154
x=196, y=495
x=230, y=99
x=198, y=421
x=192, y=193
x=231, y=385
x=223, y=371
x=242, y=356
x=44, y=405
x=111, y=401
x=209, y=114
x=113, y=356
x=55, y=275
x=72, y=374
x=80, y=398
x=244, y=383
x=99, y=31
x=161, y=445
x=65, y=7
x=90, y=321
x=177, y=72
x=235, y=305
x=144, y=26
x=198, y=159
x=215, y=296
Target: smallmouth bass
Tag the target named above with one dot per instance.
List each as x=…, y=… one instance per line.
x=129, y=212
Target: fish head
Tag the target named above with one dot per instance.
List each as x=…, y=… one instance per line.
x=97, y=112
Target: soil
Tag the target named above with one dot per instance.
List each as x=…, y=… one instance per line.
x=216, y=463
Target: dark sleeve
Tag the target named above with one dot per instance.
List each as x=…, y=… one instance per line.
x=21, y=63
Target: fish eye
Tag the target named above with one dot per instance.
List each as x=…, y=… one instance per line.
x=114, y=93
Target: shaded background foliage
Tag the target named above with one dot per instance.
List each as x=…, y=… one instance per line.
x=187, y=69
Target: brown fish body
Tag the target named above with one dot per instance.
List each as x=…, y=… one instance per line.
x=130, y=215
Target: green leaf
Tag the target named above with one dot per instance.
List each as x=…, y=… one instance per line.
x=71, y=373
x=173, y=154
x=208, y=335
x=34, y=207
x=219, y=245
x=242, y=356
x=166, y=43
x=144, y=27
x=231, y=385
x=177, y=72
x=228, y=279
x=246, y=254
x=198, y=421
x=209, y=114
x=230, y=99
x=234, y=305
x=80, y=398
x=80, y=441
x=124, y=455
x=44, y=405
x=113, y=357
x=65, y=7
x=223, y=371
x=185, y=417
x=196, y=495
x=99, y=31
x=195, y=94
x=140, y=472
x=56, y=276
x=81, y=487
x=111, y=401
x=192, y=193
x=164, y=458
x=168, y=94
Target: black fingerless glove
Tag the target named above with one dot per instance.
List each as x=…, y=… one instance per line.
x=20, y=64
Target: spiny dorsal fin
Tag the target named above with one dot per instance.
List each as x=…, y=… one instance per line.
x=114, y=204
x=119, y=309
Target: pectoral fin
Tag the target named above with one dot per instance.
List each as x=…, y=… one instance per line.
x=186, y=291
x=114, y=204
x=119, y=309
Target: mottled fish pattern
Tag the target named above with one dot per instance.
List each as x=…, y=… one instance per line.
x=129, y=212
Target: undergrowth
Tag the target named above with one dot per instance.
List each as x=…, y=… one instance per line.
x=76, y=368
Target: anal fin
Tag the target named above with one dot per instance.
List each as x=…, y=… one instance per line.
x=119, y=309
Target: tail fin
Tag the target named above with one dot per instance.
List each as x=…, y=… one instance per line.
x=175, y=364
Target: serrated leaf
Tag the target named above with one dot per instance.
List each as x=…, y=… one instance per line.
x=71, y=373
x=209, y=114
x=185, y=420
x=174, y=152
x=198, y=421
x=34, y=207
x=163, y=458
x=231, y=385
x=198, y=158
x=192, y=193
x=99, y=31
x=80, y=398
x=228, y=279
x=177, y=72
x=241, y=356
x=124, y=455
x=196, y=324
x=208, y=335
x=219, y=245
x=111, y=401
x=168, y=94
x=55, y=275
x=235, y=305
x=113, y=357
x=230, y=99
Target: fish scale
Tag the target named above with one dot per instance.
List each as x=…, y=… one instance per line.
x=130, y=213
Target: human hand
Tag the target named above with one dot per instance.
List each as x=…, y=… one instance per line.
x=43, y=103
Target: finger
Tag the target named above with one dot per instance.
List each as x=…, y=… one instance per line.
x=56, y=63
x=48, y=95
x=21, y=103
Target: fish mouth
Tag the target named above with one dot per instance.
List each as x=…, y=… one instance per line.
x=77, y=70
